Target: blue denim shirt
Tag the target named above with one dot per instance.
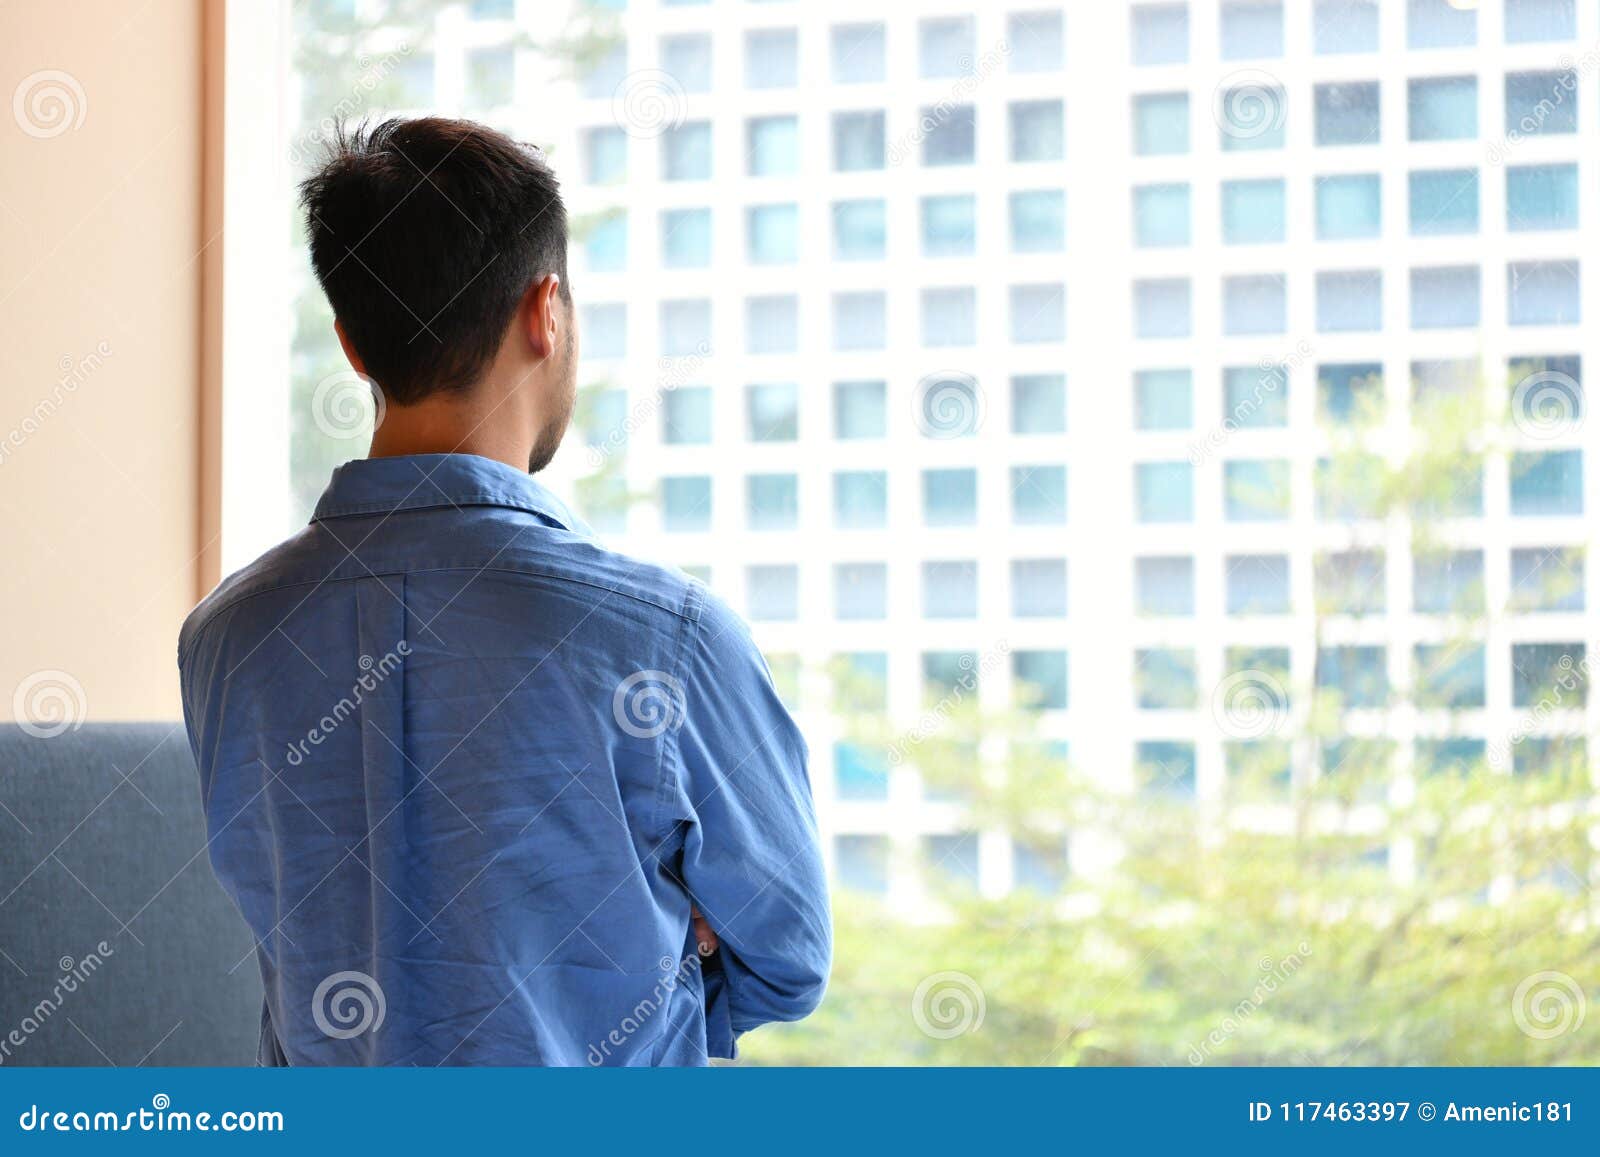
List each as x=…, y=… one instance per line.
x=465, y=771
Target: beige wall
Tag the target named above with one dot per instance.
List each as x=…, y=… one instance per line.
x=101, y=232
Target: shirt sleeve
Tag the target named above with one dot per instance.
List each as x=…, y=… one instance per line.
x=750, y=860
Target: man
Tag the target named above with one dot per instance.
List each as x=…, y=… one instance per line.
x=485, y=791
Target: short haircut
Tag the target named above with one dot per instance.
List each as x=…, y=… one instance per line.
x=425, y=235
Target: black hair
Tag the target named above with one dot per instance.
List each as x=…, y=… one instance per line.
x=425, y=235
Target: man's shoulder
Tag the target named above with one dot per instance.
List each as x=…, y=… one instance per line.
x=608, y=581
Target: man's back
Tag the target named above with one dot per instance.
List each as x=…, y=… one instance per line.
x=465, y=772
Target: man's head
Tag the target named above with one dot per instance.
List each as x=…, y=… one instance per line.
x=442, y=247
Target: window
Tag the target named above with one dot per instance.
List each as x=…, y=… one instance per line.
x=1343, y=26
x=858, y=141
x=1251, y=29
x=686, y=503
x=606, y=248
x=1257, y=584
x=1530, y=21
x=1547, y=579
x=687, y=60
x=949, y=590
x=1161, y=124
x=1038, y=314
x=1255, y=397
x=686, y=416
x=950, y=497
x=1255, y=491
x=951, y=135
x=1357, y=676
x=862, y=863
x=772, y=324
x=1039, y=404
x=1161, y=215
x=1349, y=207
x=1254, y=304
x=773, y=234
x=861, y=590
x=771, y=58
x=491, y=77
x=1546, y=482
x=860, y=409
x=772, y=501
x=1038, y=495
x=605, y=330
x=686, y=152
x=1038, y=130
x=860, y=320
x=1542, y=293
x=949, y=225
x=860, y=230
x=686, y=238
x=1160, y=34
x=1541, y=197
x=1440, y=24
x=860, y=499
x=773, y=593
x=1039, y=221
x=605, y=153
x=1347, y=114
x=1444, y=298
x=1039, y=588
x=1161, y=308
x=861, y=774
x=1040, y=678
x=1252, y=117
x=1165, y=491
x=773, y=412
x=1444, y=201
x=1451, y=675
x=858, y=53
x=1164, y=587
x=772, y=146
x=1166, y=767
x=1253, y=212
x=1165, y=679
x=949, y=316
x=1443, y=109
x=1448, y=582
x=1350, y=301
x=1035, y=40
x=946, y=47
x=1541, y=103
x=1550, y=674
x=1163, y=399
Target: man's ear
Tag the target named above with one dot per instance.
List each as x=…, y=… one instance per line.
x=542, y=315
x=349, y=350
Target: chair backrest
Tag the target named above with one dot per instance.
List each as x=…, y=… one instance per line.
x=117, y=945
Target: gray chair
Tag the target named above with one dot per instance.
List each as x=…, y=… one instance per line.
x=102, y=842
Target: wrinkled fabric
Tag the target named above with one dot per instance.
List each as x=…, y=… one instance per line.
x=465, y=772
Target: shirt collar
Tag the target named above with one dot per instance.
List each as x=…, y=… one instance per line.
x=421, y=481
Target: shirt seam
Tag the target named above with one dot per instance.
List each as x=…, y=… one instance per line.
x=688, y=633
x=345, y=510
x=221, y=608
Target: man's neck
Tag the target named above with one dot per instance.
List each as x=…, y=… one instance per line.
x=470, y=424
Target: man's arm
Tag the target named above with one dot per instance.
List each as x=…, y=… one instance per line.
x=751, y=860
